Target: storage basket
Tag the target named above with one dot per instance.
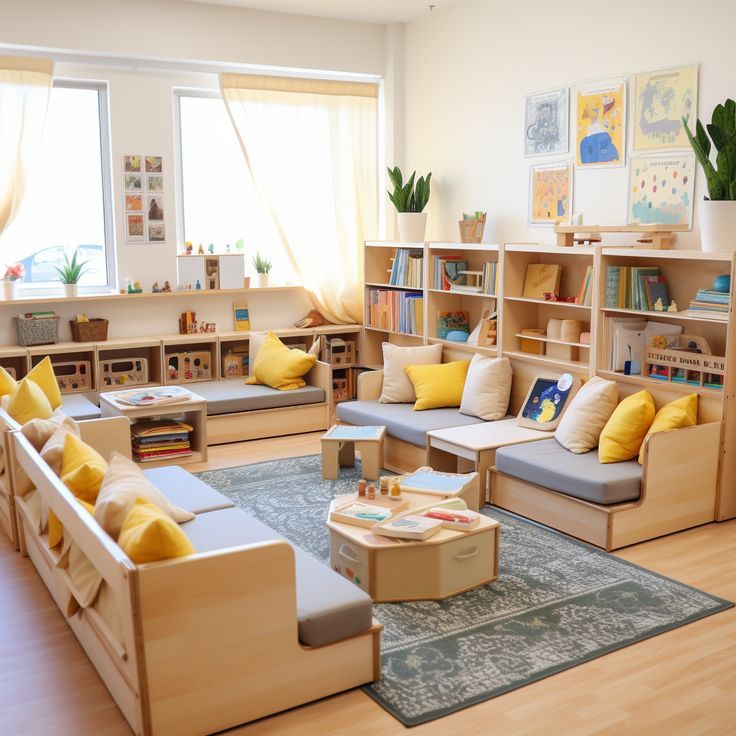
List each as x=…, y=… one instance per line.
x=42, y=331
x=93, y=331
x=471, y=231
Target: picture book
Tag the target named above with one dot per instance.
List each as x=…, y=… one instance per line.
x=241, y=316
x=541, y=279
x=546, y=401
x=360, y=514
x=158, y=396
x=452, y=322
x=413, y=526
x=656, y=288
x=462, y=521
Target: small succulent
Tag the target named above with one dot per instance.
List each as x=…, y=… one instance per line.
x=72, y=270
x=407, y=197
x=261, y=264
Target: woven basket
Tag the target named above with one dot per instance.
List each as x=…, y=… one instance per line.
x=93, y=331
x=471, y=231
x=44, y=331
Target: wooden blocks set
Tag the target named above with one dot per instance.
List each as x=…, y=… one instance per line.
x=186, y=367
x=124, y=372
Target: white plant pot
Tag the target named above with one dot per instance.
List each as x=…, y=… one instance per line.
x=71, y=289
x=718, y=225
x=9, y=289
x=262, y=279
x=412, y=226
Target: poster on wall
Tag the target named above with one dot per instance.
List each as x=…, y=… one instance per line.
x=661, y=190
x=600, y=124
x=550, y=193
x=143, y=199
x=661, y=99
x=547, y=122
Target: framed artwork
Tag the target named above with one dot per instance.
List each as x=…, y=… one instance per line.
x=547, y=400
x=661, y=190
x=661, y=99
x=550, y=193
x=133, y=202
x=132, y=164
x=600, y=124
x=135, y=228
x=547, y=122
x=154, y=164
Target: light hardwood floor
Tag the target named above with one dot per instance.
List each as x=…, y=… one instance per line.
x=682, y=682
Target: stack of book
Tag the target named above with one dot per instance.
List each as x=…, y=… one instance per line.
x=446, y=271
x=160, y=440
x=585, y=295
x=490, y=278
x=636, y=287
x=396, y=311
x=407, y=268
x=709, y=302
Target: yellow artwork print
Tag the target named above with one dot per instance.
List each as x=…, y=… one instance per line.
x=600, y=125
x=551, y=195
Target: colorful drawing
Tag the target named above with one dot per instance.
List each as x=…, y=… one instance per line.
x=156, y=233
x=131, y=164
x=601, y=125
x=134, y=202
x=133, y=183
x=546, y=123
x=154, y=165
x=154, y=182
x=134, y=228
x=550, y=194
x=662, y=99
x=661, y=190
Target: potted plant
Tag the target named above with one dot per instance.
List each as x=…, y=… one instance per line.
x=13, y=274
x=717, y=211
x=410, y=201
x=70, y=273
x=262, y=266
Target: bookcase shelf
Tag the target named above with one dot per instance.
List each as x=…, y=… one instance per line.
x=681, y=315
x=564, y=305
x=471, y=294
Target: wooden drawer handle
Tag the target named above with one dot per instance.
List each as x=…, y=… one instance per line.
x=466, y=555
x=344, y=553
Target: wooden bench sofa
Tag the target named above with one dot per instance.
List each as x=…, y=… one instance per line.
x=248, y=626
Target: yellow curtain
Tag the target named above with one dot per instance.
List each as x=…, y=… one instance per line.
x=25, y=90
x=311, y=149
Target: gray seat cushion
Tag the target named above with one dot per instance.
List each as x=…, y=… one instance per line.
x=233, y=395
x=186, y=491
x=329, y=607
x=548, y=464
x=400, y=420
x=78, y=407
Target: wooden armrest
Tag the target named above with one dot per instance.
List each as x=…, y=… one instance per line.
x=107, y=435
x=370, y=385
x=319, y=375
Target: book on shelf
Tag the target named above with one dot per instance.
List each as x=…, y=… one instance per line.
x=490, y=278
x=413, y=526
x=452, y=321
x=407, y=268
x=158, y=396
x=635, y=287
x=585, y=295
x=711, y=304
x=37, y=315
x=446, y=271
x=541, y=279
x=655, y=289
x=396, y=311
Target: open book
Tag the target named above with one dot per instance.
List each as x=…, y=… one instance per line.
x=157, y=396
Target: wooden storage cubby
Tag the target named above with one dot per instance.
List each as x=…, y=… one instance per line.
x=379, y=257
x=124, y=372
x=75, y=364
x=234, y=356
x=15, y=361
x=178, y=348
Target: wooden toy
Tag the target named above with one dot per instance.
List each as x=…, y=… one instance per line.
x=383, y=485
x=340, y=352
x=166, y=287
x=691, y=362
x=187, y=323
x=235, y=362
x=200, y=250
x=370, y=492
x=395, y=492
x=74, y=375
x=155, y=289
x=362, y=486
x=124, y=371
x=188, y=366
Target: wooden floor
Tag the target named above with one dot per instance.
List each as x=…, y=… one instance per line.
x=682, y=682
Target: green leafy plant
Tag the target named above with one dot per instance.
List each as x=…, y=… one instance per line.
x=722, y=129
x=72, y=270
x=262, y=265
x=407, y=197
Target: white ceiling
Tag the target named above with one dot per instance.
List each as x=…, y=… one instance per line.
x=374, y=11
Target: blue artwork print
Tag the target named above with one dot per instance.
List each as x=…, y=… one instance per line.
x=601, y=122
x=547, y=399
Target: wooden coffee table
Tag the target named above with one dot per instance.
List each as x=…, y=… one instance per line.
x=340, y=444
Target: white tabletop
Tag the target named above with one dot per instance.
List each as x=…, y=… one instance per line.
x=488, y=435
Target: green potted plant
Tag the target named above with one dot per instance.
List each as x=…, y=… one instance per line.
x=70, y=273
x=717, y=211
x=262, y=266
x=410, y=199
x=13, y=274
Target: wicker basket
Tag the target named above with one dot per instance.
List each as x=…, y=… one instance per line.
x=93, y=331
x=471, y=231
x=43, y=331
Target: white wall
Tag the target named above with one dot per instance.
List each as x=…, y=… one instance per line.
x=468, y=68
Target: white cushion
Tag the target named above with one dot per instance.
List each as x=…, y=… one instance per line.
x=39, y=431
x=591, y=408
x=123, y=483
x=487, y=388
x=255, y=340
x=397, y=388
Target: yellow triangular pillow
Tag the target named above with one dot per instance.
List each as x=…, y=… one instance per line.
x=43, y=375
x=8, y=384
x=82, y=468
x=29, y=402
x=56, y=528
x=149, y=535
x=622, y=437
x=279, y=366
x=675, y=415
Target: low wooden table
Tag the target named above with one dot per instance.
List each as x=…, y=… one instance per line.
x=340, y=444
x=193, y=411
x=476, y=444
x=448, y=563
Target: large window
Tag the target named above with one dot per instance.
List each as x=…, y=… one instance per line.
x=67, y=204
x=220, y=203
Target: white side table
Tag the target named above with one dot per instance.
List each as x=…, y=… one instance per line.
x=340, y=443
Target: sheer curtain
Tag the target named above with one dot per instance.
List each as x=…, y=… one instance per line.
x=25, y=89
x=311, y=148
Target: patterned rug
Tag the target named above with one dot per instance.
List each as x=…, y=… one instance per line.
x=556, y=603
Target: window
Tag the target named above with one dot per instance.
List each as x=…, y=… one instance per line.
x=220, y=202
x=67, y=205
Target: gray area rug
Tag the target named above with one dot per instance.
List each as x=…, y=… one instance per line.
x=556, y=603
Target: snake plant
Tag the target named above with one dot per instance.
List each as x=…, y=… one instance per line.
x=407, y=197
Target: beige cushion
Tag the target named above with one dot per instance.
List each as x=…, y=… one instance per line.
x=39, y=431
x=581, y=425
x=84, y=576
x=123, y=483
x=255, y=340
x=34, y=505
x=53, y=450
x=487, y=388
x=397, y=388
x=107, y=607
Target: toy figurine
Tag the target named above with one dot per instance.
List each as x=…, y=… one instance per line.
x=155, y=289
x=135, y=288
x=200, y=250
x=239, y=245
x=361, y=487
x=384, y=486
x=189, y=247
x=227, y=248
x=167, y=287
x=395, y=492
x=370, y=492
x=189, y=286
x=658, y=306
x=198, y=286
x=672, y=307
x=210, y=248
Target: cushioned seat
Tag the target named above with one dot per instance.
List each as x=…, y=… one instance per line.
x=548, y=464
x=78, y=407
x=329, y=607
x=186, y=491
x=233, y=395
x=400, y=420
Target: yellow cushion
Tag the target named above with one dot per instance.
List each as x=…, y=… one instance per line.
x=8, y=384
x=622, y=437
x=675, y=415
x=280, y=367
x=82, y=468
x=56, y=528
x=29, y=402
x=149, y=535
x=438, y=385
x=43, y=375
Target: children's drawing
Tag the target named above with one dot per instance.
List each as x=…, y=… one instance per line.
x=601, y=125
x=550, y=194
x=546, y=123
x=661, y=190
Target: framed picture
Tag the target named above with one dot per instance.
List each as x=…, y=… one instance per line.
x=550, y=194
x=132, y=164
x=661, y=190
x=600, y=124
x=135, y=228
x=134, y=203
x=154, y=182
x=547, y=400
x=661, y=99
x=132, y=182
x=156, y=232
x=155, y=207
x=154, y=164
x=547, y=123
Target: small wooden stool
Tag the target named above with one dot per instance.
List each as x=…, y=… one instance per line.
x=340, y=444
